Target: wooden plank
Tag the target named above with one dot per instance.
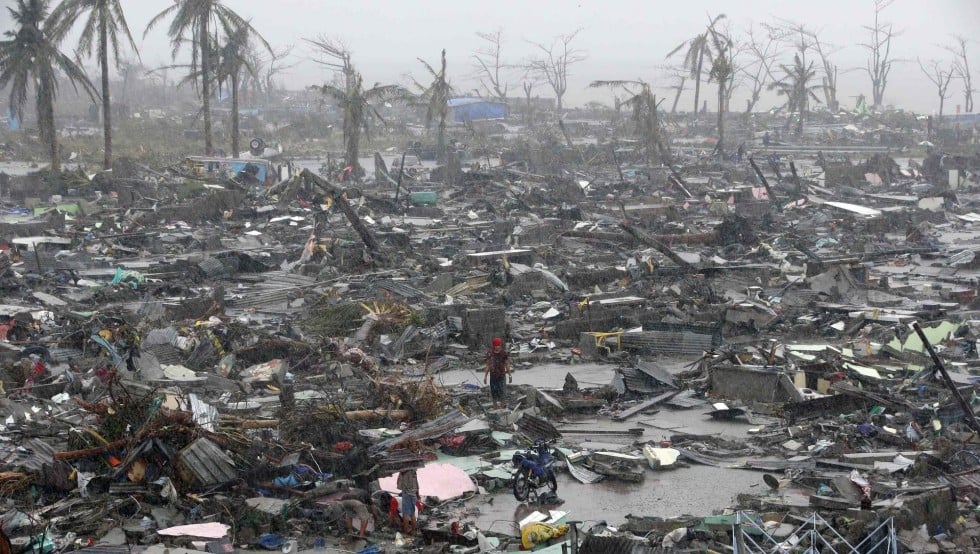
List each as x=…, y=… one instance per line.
x=644, y=405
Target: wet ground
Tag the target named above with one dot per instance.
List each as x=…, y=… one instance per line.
x=695, y=489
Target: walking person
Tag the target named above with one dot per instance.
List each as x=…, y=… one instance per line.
x=498, y=370
x=408, y=484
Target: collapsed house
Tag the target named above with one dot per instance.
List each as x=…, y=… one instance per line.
x=189, y=358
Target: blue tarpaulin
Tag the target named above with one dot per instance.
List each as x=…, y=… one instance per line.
x=474, y=109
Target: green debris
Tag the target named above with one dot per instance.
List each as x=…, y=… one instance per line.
x=334, y=320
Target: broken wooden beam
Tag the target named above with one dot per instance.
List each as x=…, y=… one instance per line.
x=89, y=452
x=340, y=199
x=970, y=417
x=645, y=405
x=648, y=240
x=765, y=182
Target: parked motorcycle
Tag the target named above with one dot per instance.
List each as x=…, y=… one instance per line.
x=534, y=468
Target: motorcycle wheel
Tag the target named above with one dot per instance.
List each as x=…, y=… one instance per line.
x=522, y=487
x=552, y=482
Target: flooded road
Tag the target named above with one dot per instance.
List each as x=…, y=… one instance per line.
x=694, y=490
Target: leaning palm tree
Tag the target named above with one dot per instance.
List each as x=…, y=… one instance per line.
x=193, y=23
x=105, y=20
x=435, y=98
x=795, y=86
x=645, y=107
x=698, y=50
x=30, y=56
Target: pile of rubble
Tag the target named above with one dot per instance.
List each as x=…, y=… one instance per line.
x=199, y=362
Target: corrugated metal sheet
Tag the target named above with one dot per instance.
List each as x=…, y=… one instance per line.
x=207, y=463
x=656, y=372
x=167, y=335
x=59, y=354
x=686, y=400
x=407, y=292
x=584, y=475
x=212, y=267
x=274, y=290
x=662, y=342
x=534, y=428
x=639, y=382
x=164, y=353
x=31, y=456
x=595, y=544
x=430, y=430
x=394, y=461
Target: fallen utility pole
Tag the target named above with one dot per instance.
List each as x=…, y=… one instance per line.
x=646, y=239
x=971, y=418
x=341, y=201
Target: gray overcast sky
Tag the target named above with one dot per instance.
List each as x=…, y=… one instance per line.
x=624, y=39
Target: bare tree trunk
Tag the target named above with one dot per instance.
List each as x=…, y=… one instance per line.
x=799, y=123
x=234, y=116
x=677, y=95
x=697, y=84
x=106, y=104
x=206, y=85
x=441, y=140
x=528, y=87
x=353, y=144
x=45, y=121
x=721, y=120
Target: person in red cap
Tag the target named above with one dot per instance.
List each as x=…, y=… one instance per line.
x=498, y=369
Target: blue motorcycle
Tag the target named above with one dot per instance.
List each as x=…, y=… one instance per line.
x=534, y=468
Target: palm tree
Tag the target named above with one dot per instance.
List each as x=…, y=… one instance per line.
x=435, y=97
x=645, y=107
x=105, y=20
x=721, y=72
x=698, y=49
x=359, y=109
x=233, y=58
x=30, y=56
x=357, y=103
x=193, y=22
x=795, y=86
